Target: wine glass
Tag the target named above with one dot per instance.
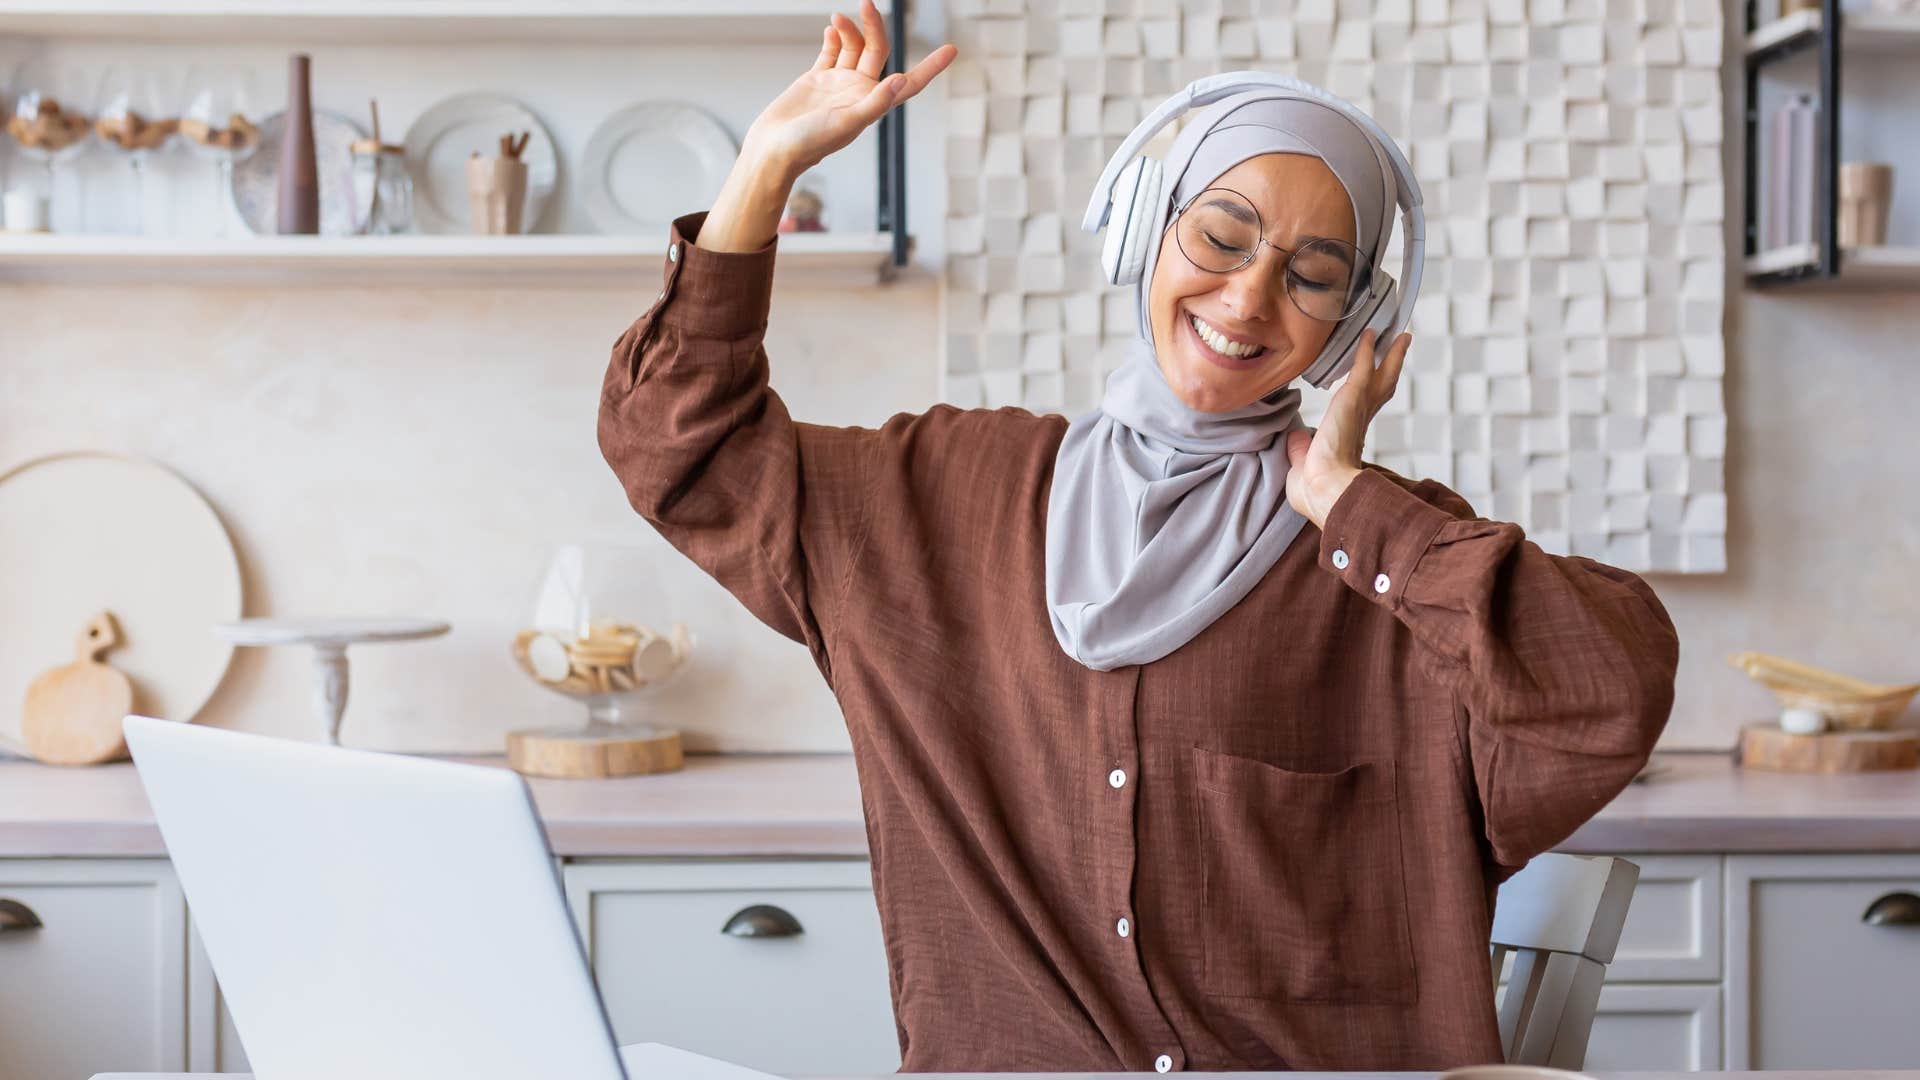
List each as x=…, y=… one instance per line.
x=215, y=121
x=133, y=118
x=46, y=117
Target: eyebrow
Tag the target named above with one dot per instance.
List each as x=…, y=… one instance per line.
x=1237, y=209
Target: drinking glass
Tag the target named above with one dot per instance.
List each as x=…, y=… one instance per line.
x=47, y=117
x=133, y=118
x=217, y=121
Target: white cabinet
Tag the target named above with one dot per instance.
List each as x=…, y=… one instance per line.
x=1820, y=985
x=99, y=984
x=799, y=985
x=1737, y=962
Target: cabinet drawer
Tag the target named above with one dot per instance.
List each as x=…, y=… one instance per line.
x=1814, y=985
x=1672, y=932
x=101, y=984
x=810, y=1002
x=1655, y=1028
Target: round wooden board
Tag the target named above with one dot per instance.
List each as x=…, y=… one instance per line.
x=89, y=531
x=1765, y=746
x=583, y=753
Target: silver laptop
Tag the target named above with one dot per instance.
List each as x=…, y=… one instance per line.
x=383, y=916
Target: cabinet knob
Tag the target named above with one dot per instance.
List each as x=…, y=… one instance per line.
x=1893, y=909
x=15, y=915
x=762, y=921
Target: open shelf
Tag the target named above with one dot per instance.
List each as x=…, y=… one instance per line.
x=422, y=21
x=54, y=258
x=1866, y=31
x=1860, y=268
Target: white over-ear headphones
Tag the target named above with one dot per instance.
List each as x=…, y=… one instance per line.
x=1130, y=199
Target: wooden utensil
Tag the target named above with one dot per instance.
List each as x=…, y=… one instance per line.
x=72, y=713
x=1845, y=701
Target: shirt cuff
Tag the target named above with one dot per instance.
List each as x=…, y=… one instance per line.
x=1375, y=535
x=717, y=294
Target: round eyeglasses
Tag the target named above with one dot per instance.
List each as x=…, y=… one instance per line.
x=1219, y=231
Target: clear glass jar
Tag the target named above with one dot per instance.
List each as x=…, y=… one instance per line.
x=383, y=184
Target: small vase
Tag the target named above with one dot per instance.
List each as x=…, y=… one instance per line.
x=299, y=210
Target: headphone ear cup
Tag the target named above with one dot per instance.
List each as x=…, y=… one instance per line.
x=1140, y=236
x=1123, y=253
x=1336, y=359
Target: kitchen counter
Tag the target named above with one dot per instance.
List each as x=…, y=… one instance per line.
x=790, y=805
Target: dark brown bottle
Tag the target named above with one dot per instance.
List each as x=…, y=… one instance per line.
x=299, y=175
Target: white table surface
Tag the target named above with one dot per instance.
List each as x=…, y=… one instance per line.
x=1771, y=1075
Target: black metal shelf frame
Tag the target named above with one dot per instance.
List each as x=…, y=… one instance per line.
x=892, y=210
x=1825, y=39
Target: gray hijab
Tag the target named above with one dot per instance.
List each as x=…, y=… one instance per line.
x=1161, y=517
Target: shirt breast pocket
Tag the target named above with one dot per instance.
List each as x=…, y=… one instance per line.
x=1304, y=892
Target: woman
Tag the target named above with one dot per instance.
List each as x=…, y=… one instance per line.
x=1238, y=797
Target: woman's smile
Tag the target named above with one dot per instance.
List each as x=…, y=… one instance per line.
x=1250, y=356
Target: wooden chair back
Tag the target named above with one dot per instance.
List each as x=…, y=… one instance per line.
x=1560, y=918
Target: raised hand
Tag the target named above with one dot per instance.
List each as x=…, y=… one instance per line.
x=1322, y=461
x=840, y=96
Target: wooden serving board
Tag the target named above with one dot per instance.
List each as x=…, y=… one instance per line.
x=1765, y=746
x=593, y=753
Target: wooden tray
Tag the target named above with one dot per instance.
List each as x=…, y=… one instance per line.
x=1765, y=746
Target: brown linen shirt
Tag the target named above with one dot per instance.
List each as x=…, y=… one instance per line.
x=1276, y=847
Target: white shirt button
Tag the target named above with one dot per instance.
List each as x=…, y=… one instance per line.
x=1339, y=558
x=1381, y=584
x=1124, y=927
x=673, y=252
x=1118, y=778
x=1163, y=1063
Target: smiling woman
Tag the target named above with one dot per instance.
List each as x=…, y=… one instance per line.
x=1186, y=739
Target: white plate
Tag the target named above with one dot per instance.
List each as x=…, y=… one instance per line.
x=85, y=532
x=256, y=179
x=439, y=143
x=652, y=162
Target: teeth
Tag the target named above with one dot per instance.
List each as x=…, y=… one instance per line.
x=1219, y=343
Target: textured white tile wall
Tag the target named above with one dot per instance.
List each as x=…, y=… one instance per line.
x=1568, y=355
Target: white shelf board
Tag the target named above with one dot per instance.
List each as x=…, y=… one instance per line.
x=422, y=21
x=1866, y=31
x=1860, y=268
x=1785, y=28
x=54, y=258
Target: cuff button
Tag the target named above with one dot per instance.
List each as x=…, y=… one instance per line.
x=1339, y=558
x=1381, y=584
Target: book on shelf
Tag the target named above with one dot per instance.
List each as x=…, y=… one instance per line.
x=1788, y=189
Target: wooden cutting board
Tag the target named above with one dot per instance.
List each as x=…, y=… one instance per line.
x=1765, y=746
x=89, y=531
x=72, y=713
